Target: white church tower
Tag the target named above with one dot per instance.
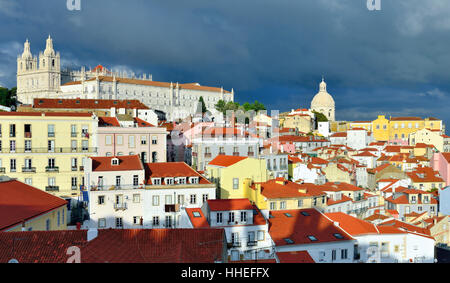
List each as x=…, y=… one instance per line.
x=35, y=80
x=323, y=102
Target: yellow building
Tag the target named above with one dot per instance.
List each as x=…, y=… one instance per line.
x=367, y=125
x=230, y=172
x=301, y=122
x=281, y=194
x=427, y=136
x=47, y=150
x=398, y=129
x=338, y=173
x=25, y=208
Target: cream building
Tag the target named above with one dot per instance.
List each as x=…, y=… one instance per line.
x=47, y=150
x=46, y=80
x=323, y=102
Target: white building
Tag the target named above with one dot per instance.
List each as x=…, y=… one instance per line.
x=168, y=189
x=385, y=244
x=246, y=228
x=357, y=138
x=308, y=173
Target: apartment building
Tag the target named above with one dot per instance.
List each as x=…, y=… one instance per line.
x=48, y=150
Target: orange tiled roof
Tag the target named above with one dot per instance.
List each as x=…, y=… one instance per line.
x=126, y=163
x=226, y=160
x=171, y=169
x=295, y=257
x=79, y=103
x=20, y=202
x=272, y=189
x=229, y=204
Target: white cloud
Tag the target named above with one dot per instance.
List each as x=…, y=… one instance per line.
x=437, y=93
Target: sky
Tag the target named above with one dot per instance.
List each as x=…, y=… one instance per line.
x=392, y=62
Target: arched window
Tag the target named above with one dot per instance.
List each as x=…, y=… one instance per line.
x=53, y=63
x=43, y=63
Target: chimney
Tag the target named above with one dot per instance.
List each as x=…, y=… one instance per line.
x=92, y=233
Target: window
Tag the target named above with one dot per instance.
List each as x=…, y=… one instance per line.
x=120, y=140
x=205, y=197
x=230, y=217
x=101, y=222
x=28, y=146
x=118, y=178
x=73, y=131
x=47, y=225
x=193, y=199
x=235, y=183
x=155, y=200
x=283, y=205
x=180, y=199
x=243, y=216
x=58, y=221
x=51, y=131
x=12, y=164
x=119, y=223
x=273, y=205
x=137, y=220
x=74, y=181
x=51, y=163
x=12, y=146
x=168, y=221
x=333, y=255
x=101, y=199
x=384, y=249
x=312, y=238
x=155, y=220
x=131, y=141
x=136, y=198
x=235, y=237
x=219, y=217
x=51, y=146
x=135, y=180
x=29, y=181
x=143, y=139
x=108, y=140
x=154, y=140
x=260, y=235
x=73, y=145
x=12, y=131
x=168, y=199
x=344, y=254
x=85, y=145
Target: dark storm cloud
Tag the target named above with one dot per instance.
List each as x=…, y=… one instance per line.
x=394, y=61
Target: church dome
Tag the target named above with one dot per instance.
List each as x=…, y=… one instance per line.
x=322, y=98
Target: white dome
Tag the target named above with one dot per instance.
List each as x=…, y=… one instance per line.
x=322, y=98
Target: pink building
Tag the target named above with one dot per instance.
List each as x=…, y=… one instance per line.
x=117, y=138
x=441, y=163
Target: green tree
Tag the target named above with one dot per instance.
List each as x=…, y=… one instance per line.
x=220, y=106
x=203, y=105
x=320, y=117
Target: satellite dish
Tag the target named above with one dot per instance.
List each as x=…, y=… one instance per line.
x=13, y=261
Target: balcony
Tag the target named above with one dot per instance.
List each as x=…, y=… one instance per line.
x=46, y=150
x=85, y=135
x=81, y=168
x=51, y=134
x=120, y=206
x=235, y=153
x=234, y=245
x=221, y=153
x=52, y=188
x=73, y=135
x=51, y=169
x=172, y=208
x=207, y=155
x=251, y=154
x=28, y=135
x=2, y=169
x=28, y=169
x=252, y=243
x=74, y=168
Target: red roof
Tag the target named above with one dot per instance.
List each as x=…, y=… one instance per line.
x=424, y=174
x=358, y=227
x=171, y=169
x=126, y=163
x=79, y=103
x=197, y=218
x=20, y=202
x=141, y=123
x=339, y=135
x=295, y=257
x=229, y=204
x=116, y=246
x=47, y=114
x=365, y=154
x=292, y=227
x=281, y=188
x=226, y=160
x=108, y=122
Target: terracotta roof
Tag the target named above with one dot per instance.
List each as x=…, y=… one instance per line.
x=116, y=246
x=376, y=216
x=339, y=135
x=340, y=186
x=406, y=226
x=229, y=204
x=379, y=168
x=446, y=156
x=424, y=174
x=126, y=163
x=226, y=160
x=295, y=257
x=108, y=122
x=344, y=198
x=141, y=123
x=171, y=169
x=406, y=119
x=358, y=227
x=281, y=188
x=365, y=154
x=318, y=160
x=191, y=86
x=20, y=202
x=47, y=114
x=292, y=227
x=87, y=103
x=197, y=218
